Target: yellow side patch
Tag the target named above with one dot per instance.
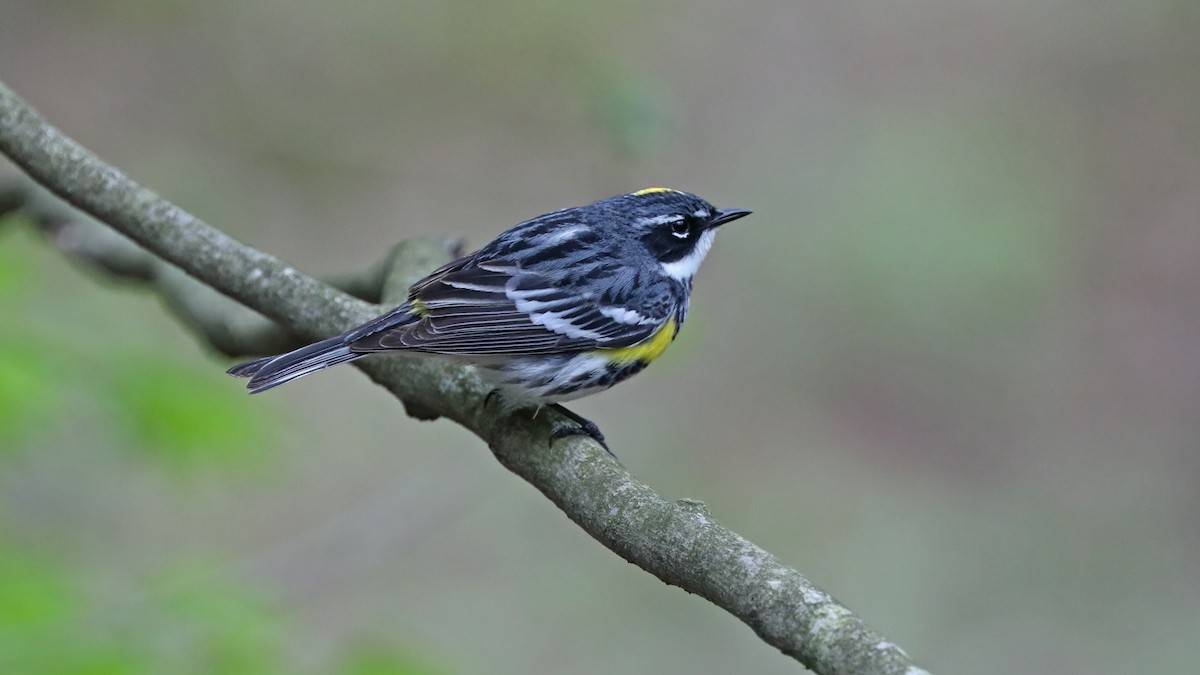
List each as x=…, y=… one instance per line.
x=418, y=308
x=647, y=350
x=650, y=191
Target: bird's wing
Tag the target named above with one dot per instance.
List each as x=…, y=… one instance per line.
x=497, y=308
x=404, y=314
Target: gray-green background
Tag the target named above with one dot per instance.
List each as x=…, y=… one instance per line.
x=950, y=369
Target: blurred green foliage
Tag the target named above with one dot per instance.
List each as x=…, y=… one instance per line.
x=54, y=620
x=190, y=622
x=185, y=415
x=228, y=630
x=28, y=378
x=15, y=265
x=28, y=386
x=50, y=624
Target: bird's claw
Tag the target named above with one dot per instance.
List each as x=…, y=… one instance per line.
x=587, y=428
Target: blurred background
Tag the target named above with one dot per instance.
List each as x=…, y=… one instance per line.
x=949, y=369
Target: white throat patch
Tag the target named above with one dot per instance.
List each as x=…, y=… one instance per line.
x=685, y=268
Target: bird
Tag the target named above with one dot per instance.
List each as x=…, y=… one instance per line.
x=558, y=307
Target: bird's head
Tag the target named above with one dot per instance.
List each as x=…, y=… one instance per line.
x=676, y=227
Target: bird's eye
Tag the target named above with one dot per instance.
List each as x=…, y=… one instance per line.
x=680, y=228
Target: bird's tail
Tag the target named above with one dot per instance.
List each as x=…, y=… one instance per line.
x=272, y=371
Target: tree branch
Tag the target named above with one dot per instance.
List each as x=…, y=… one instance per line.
x=220, y=322
x=679, y=542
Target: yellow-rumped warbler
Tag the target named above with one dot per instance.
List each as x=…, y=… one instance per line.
x=558, y=307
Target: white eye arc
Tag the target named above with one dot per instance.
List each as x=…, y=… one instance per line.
x=680, y=229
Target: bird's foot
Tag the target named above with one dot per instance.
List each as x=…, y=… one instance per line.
x=585, y=427
x=495, y=393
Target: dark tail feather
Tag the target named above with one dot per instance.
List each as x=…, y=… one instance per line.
x=273, y=371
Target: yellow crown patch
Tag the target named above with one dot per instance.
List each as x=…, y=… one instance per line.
x=650, y=191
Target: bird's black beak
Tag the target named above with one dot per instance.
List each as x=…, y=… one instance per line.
x=723, y=216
